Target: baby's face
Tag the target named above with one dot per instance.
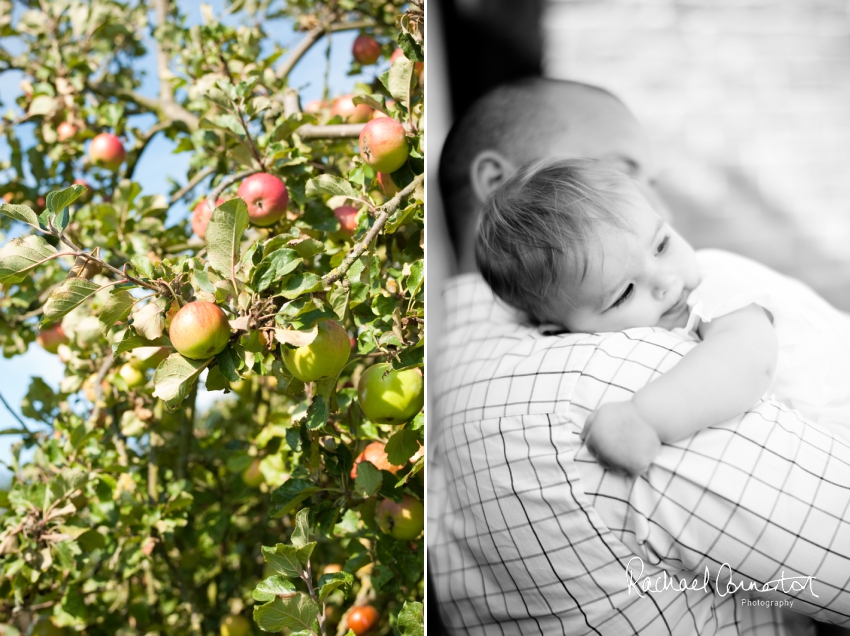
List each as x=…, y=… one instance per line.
x=637, y=276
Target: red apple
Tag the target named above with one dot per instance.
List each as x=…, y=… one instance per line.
x=387, y=185
x=403, y=520
x=201, y=217
x=362, y=619
x=323, y=358
x=345, y=107
x=199, y=330
x=366, y=50
x=8, y=197
x=383, y=144
x=51, y=338
x=379, y=113
x=65, y=131
x=374, y=454
x=393, y=398
x=315, y=106
x=266, y=198
x=347, y=217
x=107, y=151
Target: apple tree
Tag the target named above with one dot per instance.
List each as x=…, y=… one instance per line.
x=293, y=293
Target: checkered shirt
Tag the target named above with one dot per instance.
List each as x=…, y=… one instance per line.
x=528, y=535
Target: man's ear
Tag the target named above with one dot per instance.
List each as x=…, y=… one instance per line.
x=488, y=171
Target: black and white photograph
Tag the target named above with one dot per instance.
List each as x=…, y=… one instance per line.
x=638, y=380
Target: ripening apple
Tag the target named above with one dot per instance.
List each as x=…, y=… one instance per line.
x=375, y=454
x=347, y=217
x=201, y=217
x=403, y=520
x=323, y=358
x=107, y=151
x=143, y=358
x=366, y=50
x=65, y=131
x=132, y=376
x=253, y=476
x=383, y=144
x=235, y=625
x=390, y=398
x=345, y=107
x=8, y=197
x=332, y=568
x=199, y=330
x=51, y=338
x=266, y=198
x=315, y=106
x=362, y=619
x=387, y=185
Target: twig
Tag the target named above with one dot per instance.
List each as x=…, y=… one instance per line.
x=333, y=131
x=106, y=265
x=15, y=415
x=386, y=210
x=313, y=36
x=199, y=176
x=226, y=183
x=162, y=125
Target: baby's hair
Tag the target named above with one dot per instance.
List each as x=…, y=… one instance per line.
x=534, y=229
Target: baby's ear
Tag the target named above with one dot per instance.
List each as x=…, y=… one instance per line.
x=488, y=171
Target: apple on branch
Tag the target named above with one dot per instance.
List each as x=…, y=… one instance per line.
x=65, y=131
x=266, y=197
x=199, y=330
x=366, y=50
x=201, y=217
x=235, y=625
x=107, y=151
x=383, y=144
x=403, y=520
x=253, y=476
x=347, y=217
x=390, y=397
x=362, y=619
x=51, y=338
x=323, y=358
x=375, y=454
x=345, y=107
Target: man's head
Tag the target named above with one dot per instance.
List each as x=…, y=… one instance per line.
x=576, y=242
x=520, y=122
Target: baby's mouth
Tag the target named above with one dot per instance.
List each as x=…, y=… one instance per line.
x=679, y=305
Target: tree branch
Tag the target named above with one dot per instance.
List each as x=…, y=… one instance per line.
x=221, y=187
x=386, y=210
x=199, y=176
x=332, y=131
x=131, y=165
x=15, y=415
x=313, y=36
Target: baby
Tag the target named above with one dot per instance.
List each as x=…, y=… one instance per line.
x=577, y=243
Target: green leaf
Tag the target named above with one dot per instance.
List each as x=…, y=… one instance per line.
x=307, y=247
x=269, y=589
x=301, y=284
x=317, y=414
x=224, y=234
x=287, y=497
x=334, y=186
x=301, y=535
x=417, y=275
x=116, y=309
x=274, y=267
x=411, y=357
x=369, y=479
x=132, y=341
x=398, y=81
x=330, y=582
x=229, y=363
x=21, y=255
x=401, y=446
x=299, y=612
x=175, y=376
x=70, y=294
x=60, y=199
x=143, y=265
x=284, y=560
x=411, y=620
x=410, y=47
x=20, y=213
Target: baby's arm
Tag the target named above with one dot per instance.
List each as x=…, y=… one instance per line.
x=720, y=378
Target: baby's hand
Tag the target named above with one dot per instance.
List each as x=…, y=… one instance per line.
x=620, y=438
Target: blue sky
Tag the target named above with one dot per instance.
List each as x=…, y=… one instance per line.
x=157, y=164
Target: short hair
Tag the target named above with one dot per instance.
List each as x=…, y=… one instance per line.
x=535, y=228
x=510, y=118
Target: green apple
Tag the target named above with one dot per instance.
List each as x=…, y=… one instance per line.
x=403, y=520
x=383, y=144
x=132, y=376
x=390, y=398
x=323, y=358
x=199, y=330
x=235, y=625
x=253, y=476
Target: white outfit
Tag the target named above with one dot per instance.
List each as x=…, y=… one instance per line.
x=813, y=367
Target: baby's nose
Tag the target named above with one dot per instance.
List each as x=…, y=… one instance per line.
x=663, y=284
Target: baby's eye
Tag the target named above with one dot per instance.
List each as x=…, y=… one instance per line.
x=663, y=245
x=624, y=297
